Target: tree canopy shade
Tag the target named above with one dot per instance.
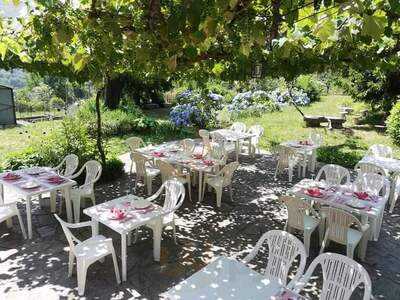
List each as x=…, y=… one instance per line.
x=152, y=38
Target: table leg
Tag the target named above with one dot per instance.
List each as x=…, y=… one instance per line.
x=1, y=194
x=250, y=153
x=313, y=160
x=364, y=221
x=67, y=195
x=157, y=231
x=123, y=255
x=200, y=185
x=29, y=216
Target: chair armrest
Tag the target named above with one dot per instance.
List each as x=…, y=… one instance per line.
x=156, y=195
x=364, y=228
x=79, y=225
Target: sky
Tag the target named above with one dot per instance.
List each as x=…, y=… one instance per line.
x=8, y=9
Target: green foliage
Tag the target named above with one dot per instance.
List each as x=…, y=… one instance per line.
x=311, y=86
x=114, y=168
x=119, y=121
x=393, y=124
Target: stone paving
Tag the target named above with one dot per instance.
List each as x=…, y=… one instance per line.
x=38, y=267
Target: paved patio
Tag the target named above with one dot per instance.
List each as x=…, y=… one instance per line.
x=204, y=231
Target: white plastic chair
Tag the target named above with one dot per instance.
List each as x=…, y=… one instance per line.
x=289, y=158
x=364, y=167
x=205, y=136
x=145, y=171
x=283, y=249
x=333, y=175
x=66, y=168
x=339, y=229
x=301, y=216
x=9, y=210
x=218, y=154
x=258, y=132
x=221, y=180
x=218, y=138
x=379, y=150
x=238, y=127
x=93, y=171
x=174, y=197
x=341, y=276
x=396, y=191
x=87, y=252
x=188, y=146
x=169, y=172
x=316, y=139
x=134, y=143
x=68, y=165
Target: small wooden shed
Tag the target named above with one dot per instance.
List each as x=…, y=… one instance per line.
x=7, y=106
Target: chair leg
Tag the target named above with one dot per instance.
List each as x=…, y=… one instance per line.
x=174, y=231
x=77, y=208
x=93, y=198
x=276, y=170
x=219, y=196
x=290, y=171
x=204, y=189
x=21, y=224
x=350, y=251
x=136, y=236
x=286, y=227
x=230, y=192
x=149, y=185
x=116, y=269
x=324, y=243
x=70, y=263
x=81, y=270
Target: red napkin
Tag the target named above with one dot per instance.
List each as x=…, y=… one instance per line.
x=11, y=176
x=158, y=154
x=314, y=192
x=208, y=162
x=361, y=195
x=197, y=156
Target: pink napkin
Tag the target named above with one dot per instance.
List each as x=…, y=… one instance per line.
x=361, y=195
x=314, y=192
x=197, y=156
x=208, y=162
x=55, y=179
x=11, y=176
x=158, y=154
x=118, y=214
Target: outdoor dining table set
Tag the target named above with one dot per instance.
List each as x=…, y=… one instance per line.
x=31, y=182
x=346, y=197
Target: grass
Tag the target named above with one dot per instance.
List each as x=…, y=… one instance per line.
x=344, y=147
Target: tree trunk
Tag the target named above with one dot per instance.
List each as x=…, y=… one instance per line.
x=99, y=139
x=290, y=86
x=113, y=92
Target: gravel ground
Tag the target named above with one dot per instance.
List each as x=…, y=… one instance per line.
x=38, y=267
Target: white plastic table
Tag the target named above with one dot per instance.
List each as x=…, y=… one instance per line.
x=390, y=164
x=225, y=278
x=304, y=149
x=173, y=154
x=236, y=137
x=336, y=199
x=45, y=187
x=101, y=213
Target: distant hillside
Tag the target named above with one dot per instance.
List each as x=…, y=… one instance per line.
x=16, y=78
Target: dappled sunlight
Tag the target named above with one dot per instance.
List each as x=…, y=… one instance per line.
x=204, y=232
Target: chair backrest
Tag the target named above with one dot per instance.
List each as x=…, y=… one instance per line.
x=338, y=222
x=333, y=174
x=93, y=171
x=72, y=240
x=205, y=136
x=188, y=146
x=218, y=138
x=68, y=165
x=374, y=184
x=167, y=170
x=283, y=249
x=297, y=208
x=218, y=153
x=134, y=143
x=140, y=163
x=316, y=138
x=238, y=127
x=341, y=276
x=379, y=150
x=287, y=155
x=227, y=172
x=174, y=197
x=364, y=167
x=258, y=131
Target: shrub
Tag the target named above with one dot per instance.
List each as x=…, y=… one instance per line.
x=114, y=168
x=185, y=115
x=311, y=86
x=393, y=124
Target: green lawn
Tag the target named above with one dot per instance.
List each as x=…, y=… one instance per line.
x=343, y=147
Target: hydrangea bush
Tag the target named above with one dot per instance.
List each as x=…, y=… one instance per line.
x=194, y=109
